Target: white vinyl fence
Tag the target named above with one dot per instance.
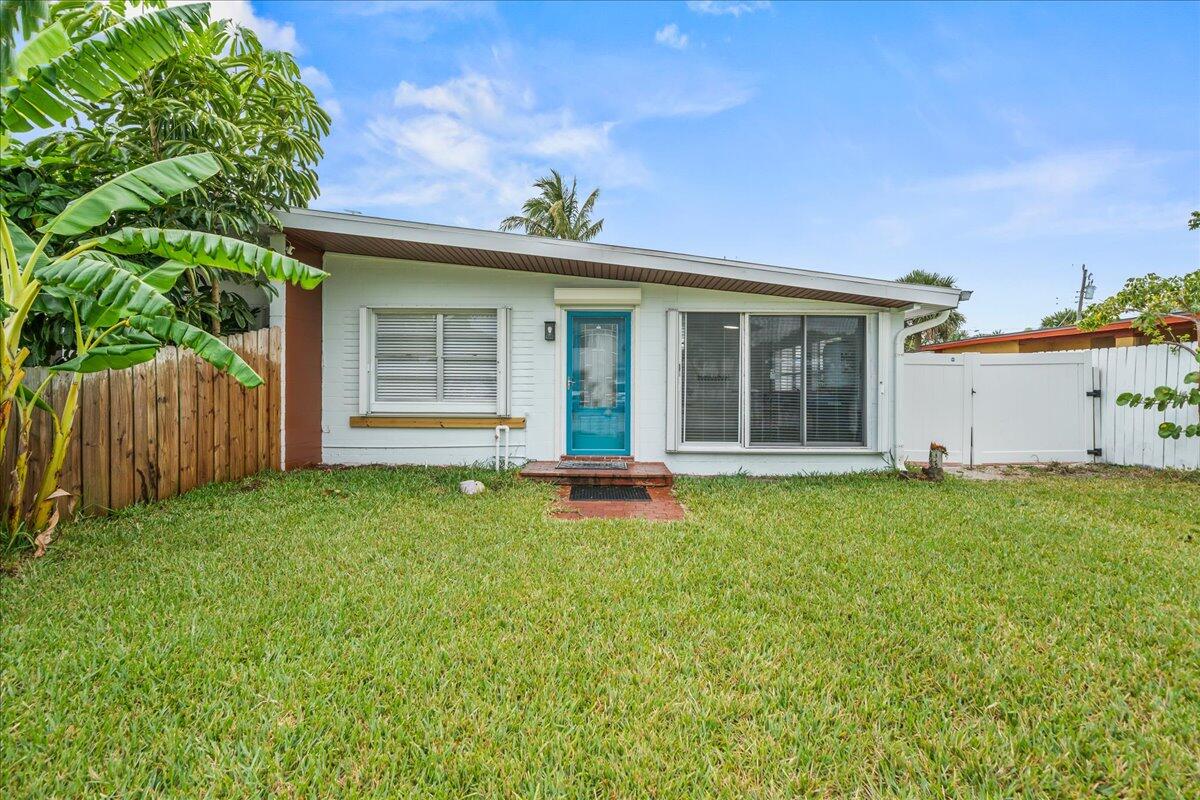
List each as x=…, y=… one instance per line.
x=1130, y=435
x=1039, y=407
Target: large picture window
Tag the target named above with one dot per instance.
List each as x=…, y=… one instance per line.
x=803, y=383
x=422, y=361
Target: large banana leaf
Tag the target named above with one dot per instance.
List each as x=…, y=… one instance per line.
x=202, y=343
x=106, y=284
x=95, y=68
x=109, y=356
x=57, y=298
x=137, y=189
x=48, y=44
x=164, y=276
x=211, y=250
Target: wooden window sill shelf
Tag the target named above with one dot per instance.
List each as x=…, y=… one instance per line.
x=397, y=421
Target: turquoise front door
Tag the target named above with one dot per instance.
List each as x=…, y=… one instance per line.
x=598, y=383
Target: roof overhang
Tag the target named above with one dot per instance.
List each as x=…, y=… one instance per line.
x=415, y=241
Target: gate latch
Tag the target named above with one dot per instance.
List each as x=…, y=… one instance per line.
x=1095, y=451
x=1093, y=393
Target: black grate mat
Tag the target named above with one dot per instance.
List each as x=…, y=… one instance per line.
x=568, y=464
x=609, y=493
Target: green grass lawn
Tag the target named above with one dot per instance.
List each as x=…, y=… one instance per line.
x=374, y=633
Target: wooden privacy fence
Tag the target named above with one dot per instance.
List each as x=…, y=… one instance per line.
x=160, y=428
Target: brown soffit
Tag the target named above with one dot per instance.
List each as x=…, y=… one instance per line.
x=356, y=244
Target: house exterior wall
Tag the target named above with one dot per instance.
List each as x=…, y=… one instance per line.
x=990, y=347
x=536, y=368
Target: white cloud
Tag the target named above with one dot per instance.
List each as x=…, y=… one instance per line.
x=417, y=20
x=317, y=80
x=471, y=95
x=273, y=35
x=1058, y=194
x=334, y=108
x=436, y=140
x=488, y=127
x=322, y=87
x=733, y=8
x=580, y=140
x=476, y=143
x=695, y=95
x=670, y=36
x=1058, y=175
x=468, y=148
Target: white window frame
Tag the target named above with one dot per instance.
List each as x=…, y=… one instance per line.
x=366, y=366
x=675, y=385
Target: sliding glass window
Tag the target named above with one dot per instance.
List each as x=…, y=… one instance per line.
x=836, y=370
x=803, y=382
x=711, y=366
x=776, y=380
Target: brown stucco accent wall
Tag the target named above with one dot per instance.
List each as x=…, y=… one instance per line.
x=302, y=346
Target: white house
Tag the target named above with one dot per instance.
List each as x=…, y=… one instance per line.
x=424, y=338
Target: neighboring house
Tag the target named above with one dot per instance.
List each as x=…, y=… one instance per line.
x=1117, y=334
x=424, y=338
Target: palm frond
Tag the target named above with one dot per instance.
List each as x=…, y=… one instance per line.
x=555, y=211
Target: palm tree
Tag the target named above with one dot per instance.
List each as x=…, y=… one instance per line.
x=1060, y=319
x=555, y=212
x=955, y=325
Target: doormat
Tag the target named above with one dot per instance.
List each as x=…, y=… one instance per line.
x=566, y=464
x=610, y=493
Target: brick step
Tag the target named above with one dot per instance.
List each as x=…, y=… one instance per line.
x=638, y=473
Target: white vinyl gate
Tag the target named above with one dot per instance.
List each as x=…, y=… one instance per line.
x=1000, y=409
x=1024, y=407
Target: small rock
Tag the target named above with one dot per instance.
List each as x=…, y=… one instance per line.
x=471, y=487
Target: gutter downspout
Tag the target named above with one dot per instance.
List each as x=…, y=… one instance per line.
x=897, y=376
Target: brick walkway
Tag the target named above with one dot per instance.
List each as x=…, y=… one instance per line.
x=662, y=507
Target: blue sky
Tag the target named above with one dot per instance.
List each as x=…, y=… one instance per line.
x=1004, y=144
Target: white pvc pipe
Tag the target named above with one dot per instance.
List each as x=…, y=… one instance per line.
x=507, y=438
x=897, y=374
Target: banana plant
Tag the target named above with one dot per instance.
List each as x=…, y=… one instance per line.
x=51, y=76
x=117, y=308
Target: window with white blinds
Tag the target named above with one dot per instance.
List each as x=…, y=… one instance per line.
x=776, y=380
x=711, y=362
x=435, y=360
x=803, y=383
x=835, y=371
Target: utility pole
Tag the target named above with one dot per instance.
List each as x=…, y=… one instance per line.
x=1087, y=290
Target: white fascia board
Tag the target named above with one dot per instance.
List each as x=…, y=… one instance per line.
x=519, y=244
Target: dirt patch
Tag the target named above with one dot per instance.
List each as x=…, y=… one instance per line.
x=1016, y=472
